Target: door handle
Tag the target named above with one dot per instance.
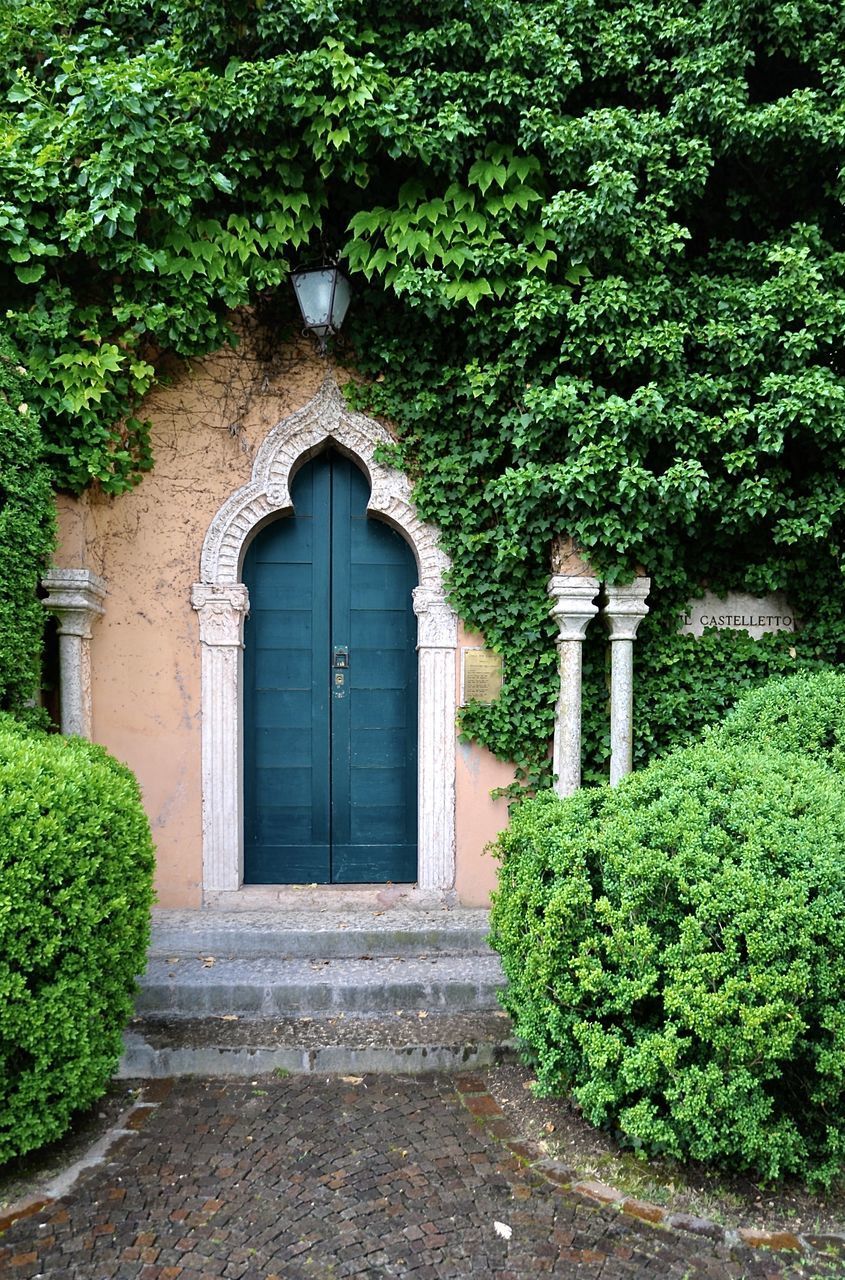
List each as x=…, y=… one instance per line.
x=340, y=665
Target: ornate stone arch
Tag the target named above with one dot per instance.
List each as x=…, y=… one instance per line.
x=221, y=600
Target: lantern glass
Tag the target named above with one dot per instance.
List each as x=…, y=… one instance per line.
x=323, y=294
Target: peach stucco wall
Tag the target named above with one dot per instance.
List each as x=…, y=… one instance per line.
x=206, y=427
x=478, y=818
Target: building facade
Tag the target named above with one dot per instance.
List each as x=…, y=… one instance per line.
x=260, y=631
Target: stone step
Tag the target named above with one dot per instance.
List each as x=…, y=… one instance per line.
x=324, y=934
x=346, y=1045
x=261, y=986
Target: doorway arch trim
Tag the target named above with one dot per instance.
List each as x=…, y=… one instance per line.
x=221, y=601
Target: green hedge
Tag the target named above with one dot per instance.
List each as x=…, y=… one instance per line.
x=803, y=713
x=675, y=950
x=76, y=863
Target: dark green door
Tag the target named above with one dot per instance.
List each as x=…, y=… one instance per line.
x=330, y=691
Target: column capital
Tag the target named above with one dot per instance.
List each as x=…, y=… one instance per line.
x=222, y=609
x=625, y=608
x=76, y=597
x=438, y=622
x=573, y=607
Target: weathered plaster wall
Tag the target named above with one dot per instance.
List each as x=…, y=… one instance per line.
x=146, y=544
x=479, y=818
x=206, y=427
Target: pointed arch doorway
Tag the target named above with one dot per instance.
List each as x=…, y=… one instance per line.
x=222, y=601
x=330, y=690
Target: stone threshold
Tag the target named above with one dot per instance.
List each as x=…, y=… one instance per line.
x=336, y=897
x=330, y=934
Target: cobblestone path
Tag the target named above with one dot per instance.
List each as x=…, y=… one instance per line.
x=317, y=1179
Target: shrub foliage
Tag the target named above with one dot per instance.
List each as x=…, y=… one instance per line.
x=675, y=951
x=76, y=861
x=803, y=713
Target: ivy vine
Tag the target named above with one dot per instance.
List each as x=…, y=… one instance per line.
x=599, y=252
x=27, y=536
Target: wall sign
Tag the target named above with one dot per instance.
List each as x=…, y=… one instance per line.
x=758, y=615
x=481, y=675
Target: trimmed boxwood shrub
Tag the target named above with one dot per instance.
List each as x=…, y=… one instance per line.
x=675, y=951
x=76, y=863
x=804, y=713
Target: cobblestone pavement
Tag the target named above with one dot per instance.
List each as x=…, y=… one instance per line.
x=315, y=1179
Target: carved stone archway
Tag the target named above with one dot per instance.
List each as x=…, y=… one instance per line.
x=222, y=602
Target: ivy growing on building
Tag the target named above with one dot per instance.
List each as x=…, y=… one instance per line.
x=26, y=536
x=599, y=250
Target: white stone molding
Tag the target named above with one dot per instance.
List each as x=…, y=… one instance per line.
x=76, y=597
x=222, y=611
x=624, y=610
x=437, y=627
x=437, y=632
x=325, y=421
x=573, y=608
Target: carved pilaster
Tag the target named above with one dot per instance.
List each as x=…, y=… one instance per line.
x=221, y=611
x=437, y=620
x=623, y=612
x=573, y=607
x=76, y=597
x=437, y=643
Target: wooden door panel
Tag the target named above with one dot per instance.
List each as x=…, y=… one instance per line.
x=378, y=748
x=373, y=806
x=286, y=713
x=294, y=630
x=284, y=824
x=372, y=710
x=373, y=585
x=374, y=864
x=330, y=750
x=382, y=785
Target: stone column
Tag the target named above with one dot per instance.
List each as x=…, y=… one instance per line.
x=573, y=608
x=221, y=610
x=623, y=612
x=436, y=645
x=75, y=596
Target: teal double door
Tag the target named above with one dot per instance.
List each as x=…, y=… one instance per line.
x=330, y=690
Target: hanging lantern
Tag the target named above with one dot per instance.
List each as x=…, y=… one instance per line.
x=323, y=295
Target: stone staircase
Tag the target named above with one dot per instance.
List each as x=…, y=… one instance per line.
x=338, y=990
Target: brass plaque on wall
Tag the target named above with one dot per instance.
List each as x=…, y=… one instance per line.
x=481, y=675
